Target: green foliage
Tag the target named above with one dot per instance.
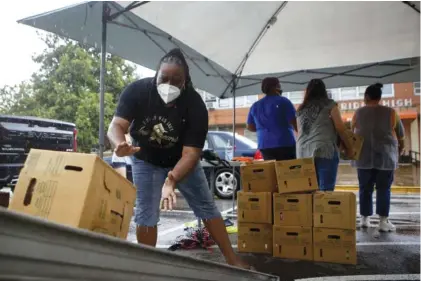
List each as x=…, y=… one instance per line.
x=87, y=118
x=66, y=87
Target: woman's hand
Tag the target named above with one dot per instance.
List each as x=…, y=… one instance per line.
x=350, y=152
x=125, y=149
x=168, y=197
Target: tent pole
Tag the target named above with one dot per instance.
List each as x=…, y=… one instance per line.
x=234, y=122
x=102, y=79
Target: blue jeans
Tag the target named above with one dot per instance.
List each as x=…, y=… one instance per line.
x=327, y=170
x=149, y=180
x=382, y=179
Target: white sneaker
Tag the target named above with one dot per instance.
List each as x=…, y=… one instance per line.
x=385, y=225
x=365, y=222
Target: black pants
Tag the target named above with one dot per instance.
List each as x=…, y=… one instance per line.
x=279, y=153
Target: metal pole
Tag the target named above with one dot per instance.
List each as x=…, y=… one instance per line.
x=102, y=79
x=234, y=115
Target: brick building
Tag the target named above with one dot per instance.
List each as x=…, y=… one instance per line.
x=404, y=97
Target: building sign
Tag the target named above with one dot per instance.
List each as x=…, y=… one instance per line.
x=388, y=102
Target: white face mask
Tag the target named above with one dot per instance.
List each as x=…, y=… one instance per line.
x=168, y=93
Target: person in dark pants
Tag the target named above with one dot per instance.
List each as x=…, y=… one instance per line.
x=273, y=118
x=383, y=143
x=319, y=125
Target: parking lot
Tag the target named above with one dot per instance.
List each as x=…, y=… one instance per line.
x=381, y=256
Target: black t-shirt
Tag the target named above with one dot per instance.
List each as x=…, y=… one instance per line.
x=159, y=130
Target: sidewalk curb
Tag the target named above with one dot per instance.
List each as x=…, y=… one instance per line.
x=395, y=189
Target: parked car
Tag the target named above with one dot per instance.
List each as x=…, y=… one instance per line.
x=18, y=134
x=218, y=142
x=225, y=182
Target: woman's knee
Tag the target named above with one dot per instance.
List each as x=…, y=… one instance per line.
x=196, y=191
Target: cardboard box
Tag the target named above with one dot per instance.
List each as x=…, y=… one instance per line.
x=254, y=207
x=254, y=238
x=75, y=189
x=293, y=242
x=356, y=141
x=293, y=209
x=335, y=245
x=335, y=209
x=259, y=177
x=297, y=175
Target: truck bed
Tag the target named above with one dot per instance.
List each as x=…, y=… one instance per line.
x=35, y=249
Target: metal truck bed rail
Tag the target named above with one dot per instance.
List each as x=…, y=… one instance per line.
x=35, y=249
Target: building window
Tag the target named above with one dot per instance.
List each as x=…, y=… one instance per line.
x=361, y=91
x=335, y=94
x=349, y=93
x=388, y=91
x=209, y=97
x=240, y=102
x=225, y=103
x=251, y=99
x=417, y=89
x=296, y=97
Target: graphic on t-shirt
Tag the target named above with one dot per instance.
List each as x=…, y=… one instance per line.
x=159, y=131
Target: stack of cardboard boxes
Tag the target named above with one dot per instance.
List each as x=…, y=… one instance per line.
x=298, y=223
x=255, y=207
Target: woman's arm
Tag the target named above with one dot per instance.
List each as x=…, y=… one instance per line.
x=399, y=131
x=251, y=124
x=340, y=127
x=189, y=159
x=353, y=123
x=193, y=139
x=125, y=113
x=117, y=130
x=291, y=115
x=294, y=124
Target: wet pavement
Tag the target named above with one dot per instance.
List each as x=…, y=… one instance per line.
x=405, y=175
x=381, y=256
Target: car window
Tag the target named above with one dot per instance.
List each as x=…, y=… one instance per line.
x=206, y=145
x=219, y=141
x=248, y=142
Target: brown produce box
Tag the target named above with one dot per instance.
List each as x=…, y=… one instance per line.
x=254, y=238
x=254, y=207
x=335, y=209
x=293, y=242
x=259, y=177
x=298, y=175
x=75, y=189
x=335, y=245
x=293, y=209
x=356, y=141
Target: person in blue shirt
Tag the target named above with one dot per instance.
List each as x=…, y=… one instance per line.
x=273, y=119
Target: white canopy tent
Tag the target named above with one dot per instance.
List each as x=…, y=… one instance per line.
x=231, y=46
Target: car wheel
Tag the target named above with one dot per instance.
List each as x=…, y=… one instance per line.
x=226, y=183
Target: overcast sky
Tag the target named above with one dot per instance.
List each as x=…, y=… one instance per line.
x=19, y=42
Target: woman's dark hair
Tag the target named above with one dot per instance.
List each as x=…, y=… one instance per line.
x=269, y=84
x=316, y=90
x=176, y=56
x=374, y=92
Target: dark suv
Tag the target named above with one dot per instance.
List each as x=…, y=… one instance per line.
x=18, y=134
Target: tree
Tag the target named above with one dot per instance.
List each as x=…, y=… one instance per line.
x=87, y=119
x=66, y=87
